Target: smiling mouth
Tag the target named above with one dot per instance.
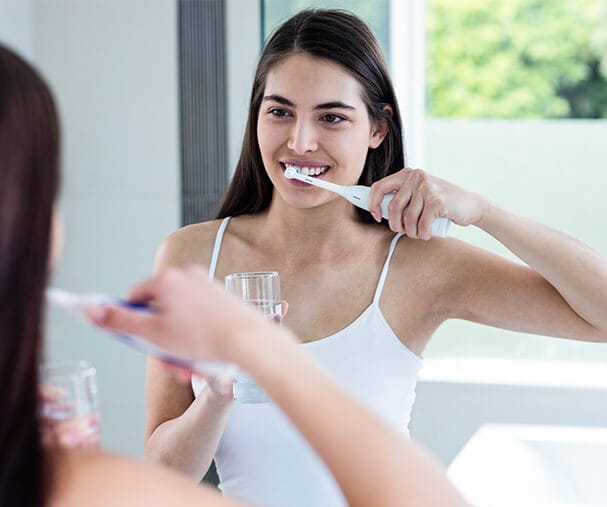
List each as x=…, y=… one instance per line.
x=306, y=171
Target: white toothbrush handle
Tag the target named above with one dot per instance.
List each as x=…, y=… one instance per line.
x=440, y=226
x=359, y=196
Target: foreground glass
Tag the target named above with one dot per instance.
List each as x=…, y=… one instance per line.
x=69, y=408
x=261, y=289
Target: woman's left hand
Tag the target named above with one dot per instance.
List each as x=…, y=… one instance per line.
x=79, y=431
x=420, y=198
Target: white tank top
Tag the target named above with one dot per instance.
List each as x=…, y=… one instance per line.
x=262, y=458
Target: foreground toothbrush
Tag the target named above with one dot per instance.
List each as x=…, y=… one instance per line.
x=359, y=196
x=77, y=303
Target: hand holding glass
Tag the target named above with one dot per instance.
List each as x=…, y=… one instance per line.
x=261, y=289
x=69, y=414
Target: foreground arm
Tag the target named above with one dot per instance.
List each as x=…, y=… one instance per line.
x=98, y=479
x=372, y=462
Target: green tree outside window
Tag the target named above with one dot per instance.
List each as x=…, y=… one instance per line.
x=516, y=58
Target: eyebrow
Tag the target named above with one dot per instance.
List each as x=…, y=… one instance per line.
x=335, y=104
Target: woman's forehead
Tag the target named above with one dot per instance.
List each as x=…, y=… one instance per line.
x=306, y=80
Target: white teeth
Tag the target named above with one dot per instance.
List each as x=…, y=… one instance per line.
x=308, y=171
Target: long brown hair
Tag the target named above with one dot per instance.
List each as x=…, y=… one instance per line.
x=340, y=37
x=29, y=179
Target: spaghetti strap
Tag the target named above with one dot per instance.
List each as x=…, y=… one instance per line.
x=217, y=246
x=384, y=271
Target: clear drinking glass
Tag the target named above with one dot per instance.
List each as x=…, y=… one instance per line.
x=261, y=289
x=69, y=407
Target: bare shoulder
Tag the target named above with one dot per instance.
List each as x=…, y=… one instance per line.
x=443, y=259
x=450, y=271
x=443, y=271
x=101, y=479
x=431, y=281
x=413, y=256
x=192, y=244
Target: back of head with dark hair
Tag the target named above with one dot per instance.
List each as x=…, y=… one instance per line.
x=342, y=38
x=29, y=178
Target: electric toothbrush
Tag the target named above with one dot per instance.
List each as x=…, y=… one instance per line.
x=359, y=196
x=77, y=303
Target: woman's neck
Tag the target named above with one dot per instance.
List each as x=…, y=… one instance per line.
x=320, y=233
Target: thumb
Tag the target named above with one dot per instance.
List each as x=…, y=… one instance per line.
x=284, y=308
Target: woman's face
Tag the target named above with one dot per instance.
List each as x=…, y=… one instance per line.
x=312, y=116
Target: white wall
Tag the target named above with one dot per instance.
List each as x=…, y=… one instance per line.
x=16, y=26
x=113, y=68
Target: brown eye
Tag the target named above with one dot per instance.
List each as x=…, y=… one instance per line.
x=333, y=119
x=279, y=112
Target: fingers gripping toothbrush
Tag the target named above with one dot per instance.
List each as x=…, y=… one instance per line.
x=359, y=196
x=77, y=304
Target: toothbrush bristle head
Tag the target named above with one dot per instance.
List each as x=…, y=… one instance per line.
x=291, y=172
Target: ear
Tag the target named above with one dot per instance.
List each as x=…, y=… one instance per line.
x=380, y=130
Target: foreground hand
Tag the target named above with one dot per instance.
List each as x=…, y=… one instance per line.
x=221, y=388
x=71, y=432
x=193, y=317
x=420, y=198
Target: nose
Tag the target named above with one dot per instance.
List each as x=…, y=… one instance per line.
x=302, y=138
